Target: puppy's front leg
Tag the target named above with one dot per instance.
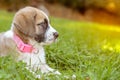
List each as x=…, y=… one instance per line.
x=42, y=61
x=43, y=66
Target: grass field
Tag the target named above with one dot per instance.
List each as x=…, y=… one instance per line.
x=90, y=51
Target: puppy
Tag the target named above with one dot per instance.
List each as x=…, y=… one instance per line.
x=29, y=32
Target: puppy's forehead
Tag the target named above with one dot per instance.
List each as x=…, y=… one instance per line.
x=40, y=15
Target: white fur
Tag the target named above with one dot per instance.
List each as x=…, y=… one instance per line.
x=9, y=34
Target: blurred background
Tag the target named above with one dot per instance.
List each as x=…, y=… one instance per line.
x=101, y=11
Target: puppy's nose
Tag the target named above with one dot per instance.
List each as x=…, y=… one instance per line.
x=55, y=34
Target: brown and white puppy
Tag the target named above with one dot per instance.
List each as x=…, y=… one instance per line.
x=32, y=26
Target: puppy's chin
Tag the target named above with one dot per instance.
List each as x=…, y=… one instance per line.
x=48, y=42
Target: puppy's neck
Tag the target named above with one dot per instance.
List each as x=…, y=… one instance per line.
x=23, y=37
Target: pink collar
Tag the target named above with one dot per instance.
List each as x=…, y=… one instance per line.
x=25, y=48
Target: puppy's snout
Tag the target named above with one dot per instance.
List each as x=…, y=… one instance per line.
x=55, y=34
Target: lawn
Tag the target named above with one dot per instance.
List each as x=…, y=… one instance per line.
x=91, y=51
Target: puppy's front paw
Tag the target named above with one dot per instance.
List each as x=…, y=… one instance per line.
x=46, y=69
x=37, y=76
x=56, y=72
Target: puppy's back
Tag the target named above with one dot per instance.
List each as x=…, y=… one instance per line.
x=7, y=45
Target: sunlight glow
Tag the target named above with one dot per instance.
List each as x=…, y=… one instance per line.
x=115, y=48
x=105, y=26
x=110, y=28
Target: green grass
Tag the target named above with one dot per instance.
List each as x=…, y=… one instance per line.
x=90, y=51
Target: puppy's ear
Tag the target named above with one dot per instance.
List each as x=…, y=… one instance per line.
x=24, y=21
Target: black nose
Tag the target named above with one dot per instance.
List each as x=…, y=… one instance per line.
x=55, y=34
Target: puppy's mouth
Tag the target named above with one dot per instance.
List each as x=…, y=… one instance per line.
x=52, y=40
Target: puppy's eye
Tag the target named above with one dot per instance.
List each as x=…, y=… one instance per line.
x=38, y=24
x=43, y=25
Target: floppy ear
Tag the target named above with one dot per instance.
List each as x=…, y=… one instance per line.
x=24, y=21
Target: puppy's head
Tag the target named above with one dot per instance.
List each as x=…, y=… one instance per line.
x=32, y=23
